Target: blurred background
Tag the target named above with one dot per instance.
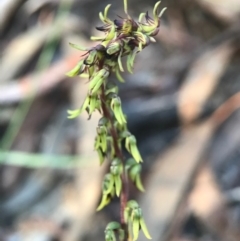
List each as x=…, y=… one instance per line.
x=182, y=104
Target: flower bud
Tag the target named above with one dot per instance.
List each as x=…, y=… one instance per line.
x=98, y=80
x=113, y=48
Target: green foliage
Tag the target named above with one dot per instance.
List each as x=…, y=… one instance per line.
x=122, y=37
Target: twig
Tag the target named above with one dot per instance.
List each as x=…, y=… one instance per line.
x=226, y=109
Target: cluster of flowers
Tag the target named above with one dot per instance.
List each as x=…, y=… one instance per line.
x=122, y=37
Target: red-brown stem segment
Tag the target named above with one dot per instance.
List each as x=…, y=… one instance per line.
x=119, y=154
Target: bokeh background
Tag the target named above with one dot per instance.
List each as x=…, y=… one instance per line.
x=182, y=104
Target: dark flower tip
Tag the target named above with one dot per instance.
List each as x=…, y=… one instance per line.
x=118, y=23
x=102, y=28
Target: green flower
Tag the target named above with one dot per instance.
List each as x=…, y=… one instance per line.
x=134, y=170
x=133, y=216
x=108, y=27
x=125, y=26
x=151, y=26
x=108, y=191
x=97, y=80
x=101, y=139
x=116, y=170
x=112, y=229
x=117, y=110
x=131, y=146
x=77, y=70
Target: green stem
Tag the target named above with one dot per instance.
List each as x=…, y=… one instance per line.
x=119, y=154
